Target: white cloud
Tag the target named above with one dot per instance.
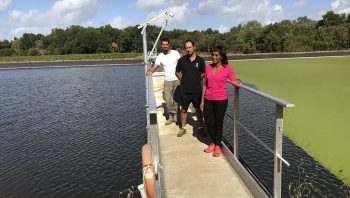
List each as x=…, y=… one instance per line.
x=151, y=4
x=16, y=15
x=223, y=29
x=253, y=10
x=74, y=11
x=178, y=2
x=299, y=3
x=24, y=17
x=277, y=8
x=62, y=14
x=341, y=6
x=120, y=22
x=206, y=6
x=4, y=4
x=35, y=30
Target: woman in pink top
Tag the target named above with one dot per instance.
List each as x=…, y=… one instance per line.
x=214, y=97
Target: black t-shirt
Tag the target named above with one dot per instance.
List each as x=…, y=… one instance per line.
x=191, y=74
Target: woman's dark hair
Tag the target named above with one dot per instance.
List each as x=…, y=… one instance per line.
x=220, y=49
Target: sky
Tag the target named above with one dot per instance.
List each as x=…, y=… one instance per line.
x=40, y=16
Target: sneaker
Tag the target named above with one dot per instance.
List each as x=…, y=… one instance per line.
x=202, y=132
x=169, y=120
x=217, y=151
x=181, y=132
x=210, y=148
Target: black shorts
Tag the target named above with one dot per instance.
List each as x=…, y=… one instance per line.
x=187, y=98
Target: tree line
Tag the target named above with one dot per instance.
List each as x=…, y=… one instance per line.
x=330, y=33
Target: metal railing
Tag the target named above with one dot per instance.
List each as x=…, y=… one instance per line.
x=153, y=139
x=251, y=181
x=151, y=109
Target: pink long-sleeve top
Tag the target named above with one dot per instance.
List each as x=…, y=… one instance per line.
x=216, y=86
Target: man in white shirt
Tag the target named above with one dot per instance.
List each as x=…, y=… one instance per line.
x=168, y=60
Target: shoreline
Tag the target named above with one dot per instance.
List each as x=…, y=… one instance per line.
x=130, y=61
x=63, y=64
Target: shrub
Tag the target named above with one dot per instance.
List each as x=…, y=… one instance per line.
x=33, y=52
x=7, y=52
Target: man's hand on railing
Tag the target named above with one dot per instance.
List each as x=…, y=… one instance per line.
x=149, y=72
x=151, y=69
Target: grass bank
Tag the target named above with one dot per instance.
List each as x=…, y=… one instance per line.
x=320, y=89
x=69, y=57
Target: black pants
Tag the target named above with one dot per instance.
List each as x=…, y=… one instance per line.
x=214, y=113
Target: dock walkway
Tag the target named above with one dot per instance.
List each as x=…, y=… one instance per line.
x=188, y=171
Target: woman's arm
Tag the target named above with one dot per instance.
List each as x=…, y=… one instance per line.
x=231, y=74
x=203, y=93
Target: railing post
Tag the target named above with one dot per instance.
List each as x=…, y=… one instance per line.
x=277, y=181
x=235, y=122
x=144, y=40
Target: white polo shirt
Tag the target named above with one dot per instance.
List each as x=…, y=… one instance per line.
x=169, y=62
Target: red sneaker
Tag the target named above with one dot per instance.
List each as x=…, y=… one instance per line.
x=217, y=151
x=210, y=148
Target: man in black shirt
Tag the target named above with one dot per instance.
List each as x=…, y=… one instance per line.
x=190, y=71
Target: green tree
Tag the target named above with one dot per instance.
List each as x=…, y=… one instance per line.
x=56, y=39
x=323, y=39
x=251, y=33
x=108, y=39
x=304, y=33
x=340, y=36
x=28, y=40
x=15, y=45
x=86, y=41
x=331, y=18
x=271, y=42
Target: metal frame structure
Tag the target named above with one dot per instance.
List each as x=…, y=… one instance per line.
x=151, y=108
x=247, y=177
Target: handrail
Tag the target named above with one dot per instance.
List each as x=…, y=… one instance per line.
x=265, y=95
x=262, y=143
x=233, y=158
x=152, y=106
x=153, y=138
